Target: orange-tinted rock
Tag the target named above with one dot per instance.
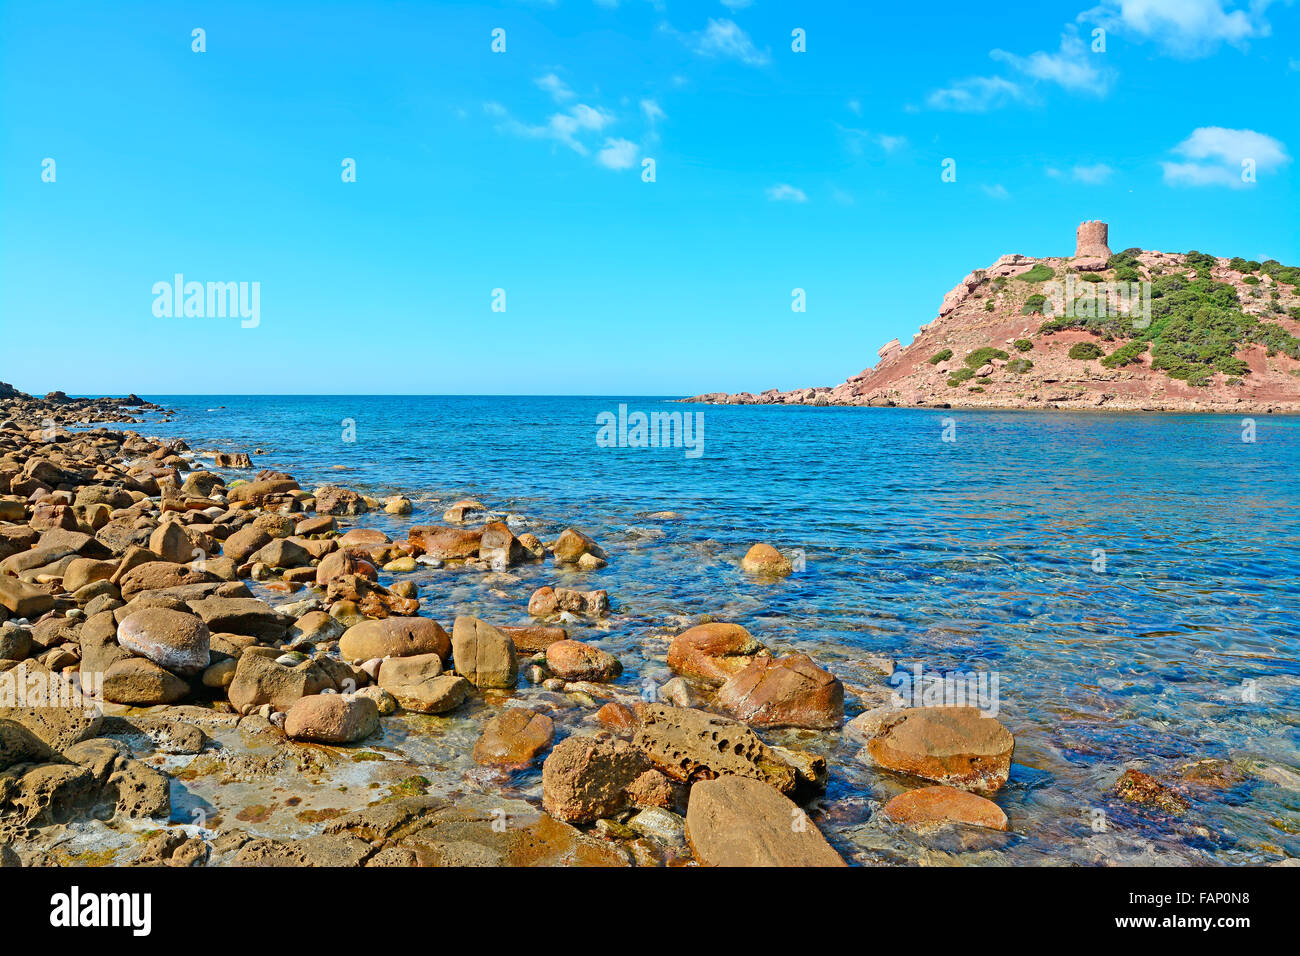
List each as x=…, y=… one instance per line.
x=616, y=717
x=513, y=738
x=957, y=746
x=586, y=778
x=345, y=562
x=533, y=638
x=787, y=692
x=713, y=653
x=732, y=821
x=332, y=719
x=394, y=637
x=441, y=542
x=935, y=806
x=765, y=559
x=653, y=789
x=573, y=660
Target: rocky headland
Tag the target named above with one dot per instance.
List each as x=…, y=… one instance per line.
x=1138, y=330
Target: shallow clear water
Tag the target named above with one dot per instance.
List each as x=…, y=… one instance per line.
x=981, y=554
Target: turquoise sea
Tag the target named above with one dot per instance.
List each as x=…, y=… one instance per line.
x=1130, y=579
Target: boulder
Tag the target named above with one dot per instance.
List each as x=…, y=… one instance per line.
x=142, y=683
x=712, y=653
x=171, y=639
x=931, y=807
x=734, y=821
x=394, y=637
x=246, y=615
x=333, y=500
x=332, y=719
x=244, y=543
x=482, y=654
x=763, y=559
x=573, y=660
x=157, y=575
x=572, y=545
x=513, y=738
x=283, y=553
x=955, y=746
x=688, y=745
x=23, y=599
x=445, y=543
x=260, y=680
x=586, y=778
x=786, y=692
x=434, y=695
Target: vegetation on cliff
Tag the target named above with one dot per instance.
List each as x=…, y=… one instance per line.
x=1197, y=324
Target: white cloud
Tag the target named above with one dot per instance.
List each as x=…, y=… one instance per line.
x=855, y=138
x=1214, y=156
x=1093, y=175
x=555, y=86
x=617, y=154
x=725, y=39
x=736, y=4
x=1184, y=28
x=997, y=191
x=562, y=127
x=784, y=192
x=976, y=94
x=653, y=111
x=1073, y=66
x=855, y=107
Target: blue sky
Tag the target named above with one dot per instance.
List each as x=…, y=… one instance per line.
x=522, y=171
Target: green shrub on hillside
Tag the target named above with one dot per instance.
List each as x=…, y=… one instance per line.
x=959, y=376
x=942, y=356
x=1091, y=277
x=1086, y=351
x=988, y=306
x=1034, y=304
x=984, y=356
x=1125, y=355
x=1041, y=272
x=1019, y=366
x=1023, y=345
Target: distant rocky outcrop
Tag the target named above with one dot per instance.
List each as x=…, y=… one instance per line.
x=1135, y=330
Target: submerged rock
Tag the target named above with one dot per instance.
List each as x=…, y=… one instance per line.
x=956, y=746
x=931, y=807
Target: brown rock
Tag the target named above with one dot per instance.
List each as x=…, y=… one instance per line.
x=616, y=717
x=574, y=660
x=956, y=746
x=332, y=719
x=586, y=778
x=482, y=654
x=712, y=653
x=572, y=544
x=1134, y=786
x=513, y=738
x=787, y=692
x=442, y=542
x=531, y=639
x=732, y=821
x=435, y=695
x=142, y=683
x=764, y=559
x=394, y=637
x=171, y=639
x=935, y=806
x=688, y=745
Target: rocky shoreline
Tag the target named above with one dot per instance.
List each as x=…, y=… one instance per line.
x=138, y=668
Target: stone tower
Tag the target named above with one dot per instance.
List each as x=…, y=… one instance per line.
x=1090, y=240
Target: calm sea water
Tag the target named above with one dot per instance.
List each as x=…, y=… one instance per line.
x=1130, y=579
